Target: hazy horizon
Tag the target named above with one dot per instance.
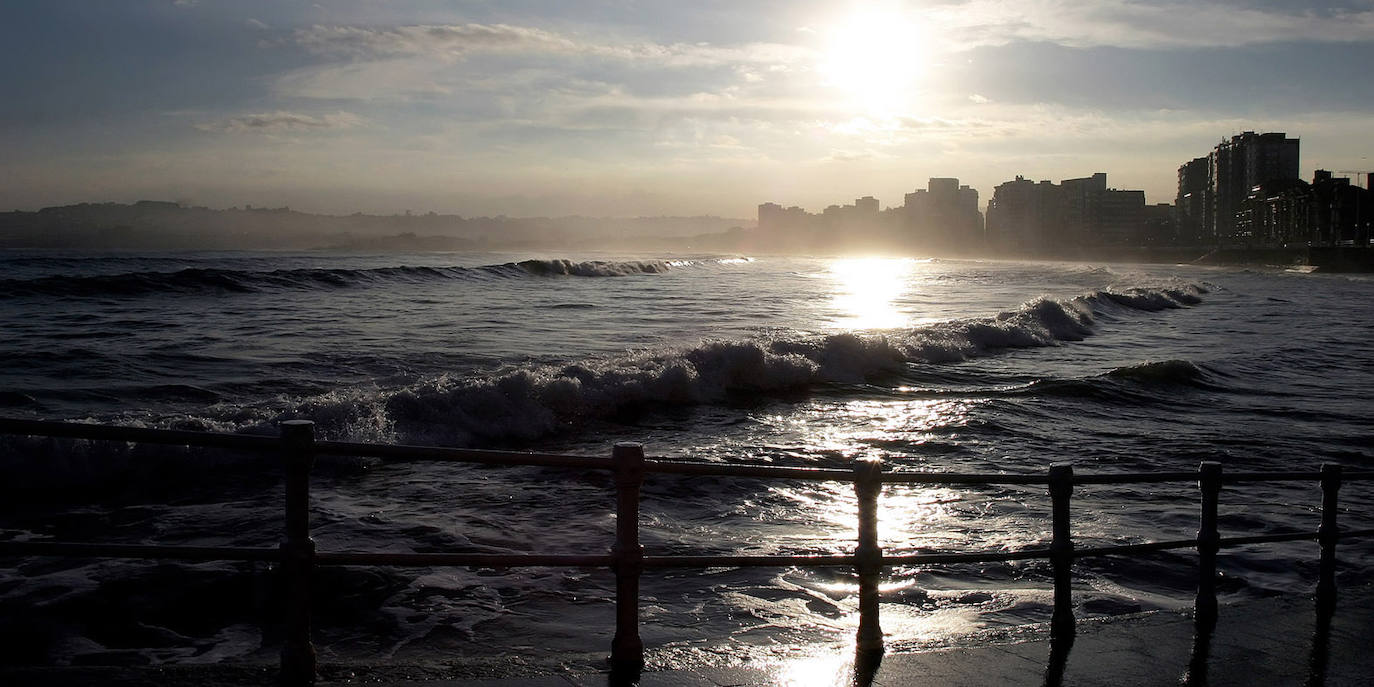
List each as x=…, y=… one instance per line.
x=530, y=109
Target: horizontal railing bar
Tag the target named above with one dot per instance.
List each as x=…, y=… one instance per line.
x=402, y=452
x=1143, y=547
x=679, y=467
x=745, y=561
x=145, y=551
x=960, y=478
x=146, y=435
x=481, y=560
x=475, y=560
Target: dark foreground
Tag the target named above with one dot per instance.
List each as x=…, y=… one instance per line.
x=1268, y=642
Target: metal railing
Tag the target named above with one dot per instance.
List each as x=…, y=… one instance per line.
x=298, y=557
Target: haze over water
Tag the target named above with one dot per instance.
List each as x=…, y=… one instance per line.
x=935, y=365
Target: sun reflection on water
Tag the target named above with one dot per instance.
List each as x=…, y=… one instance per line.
x=867, y=291
x=825, y=670
x=911, y=428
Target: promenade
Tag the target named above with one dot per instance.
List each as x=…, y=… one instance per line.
x=1268, y=642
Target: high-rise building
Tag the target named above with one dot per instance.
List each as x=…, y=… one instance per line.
x=1082, y=200
x=1022, y=216
x=1193, y=201
x=1049, y=219
x=943, y=216
x=1240, y=164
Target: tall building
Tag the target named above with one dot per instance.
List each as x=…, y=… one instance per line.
x=1022, y=215
x=1193, y=201
x=1330, y=211
x=1049, y=219
x=943, y=216
x=1237, y=166
x=1082, y=200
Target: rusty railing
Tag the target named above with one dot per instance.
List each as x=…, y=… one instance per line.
x=298, y=558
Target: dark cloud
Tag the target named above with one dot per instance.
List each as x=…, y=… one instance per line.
x=280, y=122
x=437, y=41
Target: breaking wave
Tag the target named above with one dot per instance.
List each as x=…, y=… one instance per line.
x=210, y=280
x=523, y=404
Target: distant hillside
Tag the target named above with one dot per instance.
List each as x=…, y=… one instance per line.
x=157, y=225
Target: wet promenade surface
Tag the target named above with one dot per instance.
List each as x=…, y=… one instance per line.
x=1267, y=642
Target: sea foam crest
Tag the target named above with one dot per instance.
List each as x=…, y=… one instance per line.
x=524, y=404
x=593, y=268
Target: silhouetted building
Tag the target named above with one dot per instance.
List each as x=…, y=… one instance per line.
x=1161, y=226
x=785, y=228
x=1327, y=212
x=943, y=217
x=1237, y=166
x=1082, y=200
x=1022, y=215
x=1044, y=218
x=1121, y=217
x=1193, y=201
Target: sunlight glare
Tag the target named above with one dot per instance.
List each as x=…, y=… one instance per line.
x=876, y=56
x=824, y=670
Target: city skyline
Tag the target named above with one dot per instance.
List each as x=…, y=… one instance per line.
x=609, y=109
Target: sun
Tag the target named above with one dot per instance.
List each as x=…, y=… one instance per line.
x=876, y=57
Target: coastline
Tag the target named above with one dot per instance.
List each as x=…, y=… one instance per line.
x=1326, y=259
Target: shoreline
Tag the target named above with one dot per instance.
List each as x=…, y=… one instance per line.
x=1283, y=639
x=1324, y=259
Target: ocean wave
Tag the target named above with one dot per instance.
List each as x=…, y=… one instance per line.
x=593, y=268
x=1160, y=372
x=214, y=280
x=523, y=404
x=1144, y=382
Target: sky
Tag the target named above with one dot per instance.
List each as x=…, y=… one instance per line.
x=627, y=108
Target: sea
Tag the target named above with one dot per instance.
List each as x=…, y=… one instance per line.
x=931, y=365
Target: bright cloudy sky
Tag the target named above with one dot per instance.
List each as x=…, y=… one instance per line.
x=626, y=107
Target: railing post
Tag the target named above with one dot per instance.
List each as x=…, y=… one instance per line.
x=1208, y=541
x=627, y=649
x=868, y=555
x=1328, y=534
x=298, y=553
x=1061, y=548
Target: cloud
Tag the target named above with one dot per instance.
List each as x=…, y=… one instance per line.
x=1130, y=24
x=255, y=24
x=437, y=41
x=454, y=41
x=521, y=64
x=386, y=79
x=282, y=122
